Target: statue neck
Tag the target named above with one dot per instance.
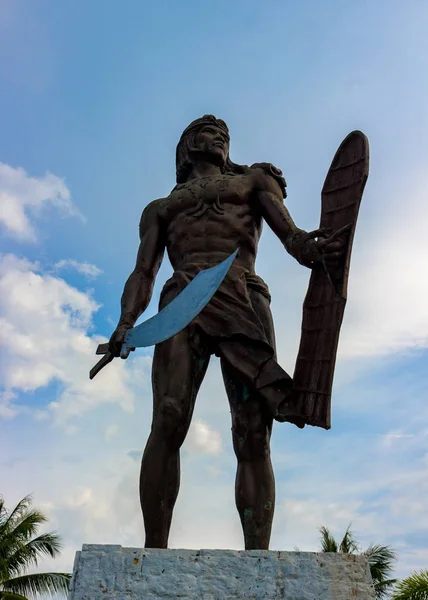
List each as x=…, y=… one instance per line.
x=204, y=169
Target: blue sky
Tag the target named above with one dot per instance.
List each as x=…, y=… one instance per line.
x=93, y=98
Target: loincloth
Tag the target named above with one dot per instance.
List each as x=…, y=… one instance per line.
x=230, y=328
x=229, y=313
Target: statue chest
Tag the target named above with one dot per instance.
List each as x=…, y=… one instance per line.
x=208, y=197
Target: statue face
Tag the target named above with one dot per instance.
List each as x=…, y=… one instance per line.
x=213, y=143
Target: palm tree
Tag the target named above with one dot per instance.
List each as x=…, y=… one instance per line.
x=380, y=558
x=414, y=587
x=348, y=545
x=21, y=548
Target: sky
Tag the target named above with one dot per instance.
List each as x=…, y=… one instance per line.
x=93, y=98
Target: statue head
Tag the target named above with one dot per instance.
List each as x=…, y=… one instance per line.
x=206, y=138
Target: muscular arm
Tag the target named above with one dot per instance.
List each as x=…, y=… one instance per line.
x=139, y=286
x=270, y=200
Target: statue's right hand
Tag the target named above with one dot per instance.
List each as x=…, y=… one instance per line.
x=117, y=339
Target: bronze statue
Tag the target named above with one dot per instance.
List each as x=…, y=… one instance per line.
x=216, y=207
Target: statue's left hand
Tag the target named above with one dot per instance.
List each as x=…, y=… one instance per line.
x=319, y=246
x=332, y=251
x=332, y=248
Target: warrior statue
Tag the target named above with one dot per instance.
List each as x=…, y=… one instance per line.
x=216, y=207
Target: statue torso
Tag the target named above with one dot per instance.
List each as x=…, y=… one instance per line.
x=206, y=219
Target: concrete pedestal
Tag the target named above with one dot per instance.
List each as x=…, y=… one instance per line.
x=116, y=573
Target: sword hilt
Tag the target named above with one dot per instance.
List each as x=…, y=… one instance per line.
x=102, y=349
x=107, y=358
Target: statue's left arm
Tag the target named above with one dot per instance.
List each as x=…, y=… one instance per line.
x=269, y=187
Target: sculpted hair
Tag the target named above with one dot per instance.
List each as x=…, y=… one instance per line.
x=187, y=144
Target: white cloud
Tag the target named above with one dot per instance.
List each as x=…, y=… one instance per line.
x=214, y=472
x=395, y=436
x=44, y=336
x=90, y=271
x=7, y=410
x=22, y=196
x=377, y=488
x=386, y=311
x=202, y=439
x=388, y=296
x=71, y=429
x=111, y=432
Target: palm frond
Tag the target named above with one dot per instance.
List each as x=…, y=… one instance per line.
x=47, y=543
x=21, y=508
x=414, y=587
x=383, y=588
x=20, y=549
x=38, y=583
x=25, y=555
x=15, y=563
x=3, y=511
x=10, y=596
x=328, y=543
x=381, y=561
x=27, y=524
x=19, y=532
x=348, y=545
x=14, y=540
x=10, y=519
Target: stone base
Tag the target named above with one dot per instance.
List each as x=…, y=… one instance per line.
x=116, y=573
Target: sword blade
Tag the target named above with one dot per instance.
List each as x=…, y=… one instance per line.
x=181, y=311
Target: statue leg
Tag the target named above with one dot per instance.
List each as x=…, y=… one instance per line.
x=177, y=374
x=251, y=430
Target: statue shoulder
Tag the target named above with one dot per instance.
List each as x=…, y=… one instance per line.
x=151, y=214
x=266, y=174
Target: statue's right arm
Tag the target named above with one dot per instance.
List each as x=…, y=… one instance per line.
x=139, y=286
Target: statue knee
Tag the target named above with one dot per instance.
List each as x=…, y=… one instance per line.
x=171, y=421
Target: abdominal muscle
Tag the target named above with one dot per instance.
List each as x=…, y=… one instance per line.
x=211, y=239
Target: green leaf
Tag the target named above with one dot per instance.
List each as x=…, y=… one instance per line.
x=383, y=588
x=24, y=526
x=39, y=583
x=8, y=520
x=348, y=545
x=10, y=596
x=328, y=543
x=47, y=544
x=381, y=562
x=20, y=549
x=414, y=587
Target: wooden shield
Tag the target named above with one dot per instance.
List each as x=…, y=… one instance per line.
x=325, y=300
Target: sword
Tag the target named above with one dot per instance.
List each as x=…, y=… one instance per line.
x=174, y=317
